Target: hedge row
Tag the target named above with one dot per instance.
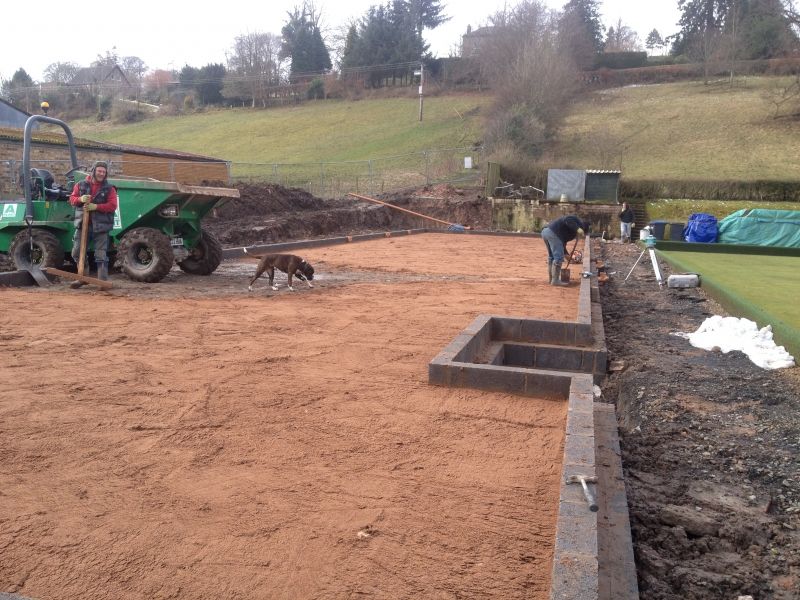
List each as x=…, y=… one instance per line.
x=666, y=73
x=764, y=190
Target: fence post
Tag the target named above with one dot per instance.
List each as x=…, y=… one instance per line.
x=322, y=179
x=427, y=169
x=371, y=180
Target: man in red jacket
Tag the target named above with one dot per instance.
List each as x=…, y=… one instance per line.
x=98, y=197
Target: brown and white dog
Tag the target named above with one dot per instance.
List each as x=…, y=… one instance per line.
x=290, y=264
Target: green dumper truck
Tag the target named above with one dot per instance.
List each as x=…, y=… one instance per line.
x=157, y=223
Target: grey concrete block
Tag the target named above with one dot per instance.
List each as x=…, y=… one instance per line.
x=506, y=329
x=582, y=385
x=492, y=378
x=477, y=326
x=581, y=423
x=549, y=385
x=575, y=577
x=531, y=331
x=550, y=357
x=577, y=534
x=438, y=374
x=579, y=450
x=518, y=355
x=583, y=334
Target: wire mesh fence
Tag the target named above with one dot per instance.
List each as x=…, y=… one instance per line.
x=323, y=179
x=375, y=176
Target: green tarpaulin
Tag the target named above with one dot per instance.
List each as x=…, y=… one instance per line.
x=761, y=227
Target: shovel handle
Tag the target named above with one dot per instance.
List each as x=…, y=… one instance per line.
x=87, y=219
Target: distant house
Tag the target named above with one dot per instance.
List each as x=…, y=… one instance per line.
x=11, y=116
x=473, y=42
x=107, y=78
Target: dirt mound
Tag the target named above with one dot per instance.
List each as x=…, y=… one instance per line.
x=709, y=443
x=268, y=199
x=270, y=213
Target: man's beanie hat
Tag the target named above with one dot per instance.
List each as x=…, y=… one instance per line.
x=99, y=163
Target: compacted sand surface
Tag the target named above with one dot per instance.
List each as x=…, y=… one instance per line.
x=168, y=442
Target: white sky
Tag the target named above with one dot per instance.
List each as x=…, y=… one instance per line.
x=168, y=34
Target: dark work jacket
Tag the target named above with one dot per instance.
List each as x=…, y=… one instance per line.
x=626, y=216
x=566, y=228
x=102, y=220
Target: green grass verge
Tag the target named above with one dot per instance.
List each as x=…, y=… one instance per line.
x=762, y=288
x=684, y=131
x=331, y=130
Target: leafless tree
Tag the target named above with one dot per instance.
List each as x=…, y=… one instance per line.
x=524, y=61
x=253, y=66
x=621, y=38
x=60, y=72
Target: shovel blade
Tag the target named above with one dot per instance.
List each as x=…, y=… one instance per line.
x=85, y=279
x=38, y=276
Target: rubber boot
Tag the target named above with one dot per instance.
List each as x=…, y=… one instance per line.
x=102, y=271
x=557, y=277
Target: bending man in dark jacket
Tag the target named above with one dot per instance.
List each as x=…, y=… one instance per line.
x=555, y=236
x=99, y=197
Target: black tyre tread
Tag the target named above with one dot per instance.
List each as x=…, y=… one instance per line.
x=209, y=261
x=52, y=251
x=162, y=250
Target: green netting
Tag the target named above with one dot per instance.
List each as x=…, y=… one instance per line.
x=761, y=227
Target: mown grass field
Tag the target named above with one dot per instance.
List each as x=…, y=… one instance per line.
x=761, y=288
x=685, y=131
x=332, y=130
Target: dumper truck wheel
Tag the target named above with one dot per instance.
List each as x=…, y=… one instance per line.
x=47, y=250
x=145, y=254
x=205, y=256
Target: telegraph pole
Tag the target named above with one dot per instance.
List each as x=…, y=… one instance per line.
x=421, y=82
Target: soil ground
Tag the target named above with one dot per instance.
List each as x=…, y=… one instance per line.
x=710, y=447
x=187, y=439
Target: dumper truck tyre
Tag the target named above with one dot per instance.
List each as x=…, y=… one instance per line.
x=47, y=250
x=145, y=255
x=204, y=257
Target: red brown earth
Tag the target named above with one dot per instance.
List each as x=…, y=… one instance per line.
x=157, y=442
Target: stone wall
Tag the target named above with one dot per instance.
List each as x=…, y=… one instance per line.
x=530, y=215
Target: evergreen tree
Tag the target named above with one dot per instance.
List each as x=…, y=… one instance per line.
x=586, y=15
x=209, y=83
x=654, y=40
x=302, y=42
x=581, y=31
x=20, y=90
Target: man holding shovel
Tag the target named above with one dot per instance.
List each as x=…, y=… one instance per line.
x=555, y=236
x=99, y=199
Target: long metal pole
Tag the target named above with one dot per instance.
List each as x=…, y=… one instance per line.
x=421, y=82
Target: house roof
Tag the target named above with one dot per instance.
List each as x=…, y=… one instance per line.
x=96, y=75
x=27, y=114
x=481, y=32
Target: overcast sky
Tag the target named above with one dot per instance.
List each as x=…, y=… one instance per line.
x=169, y=35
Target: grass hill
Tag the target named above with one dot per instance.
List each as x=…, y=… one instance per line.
x=684, y=131
x=333, y=130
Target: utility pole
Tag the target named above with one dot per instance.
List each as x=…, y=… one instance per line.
x=421, y=82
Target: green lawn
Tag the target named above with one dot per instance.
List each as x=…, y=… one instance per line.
x=683, y=131
x=332, y=130
x=762, y=288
